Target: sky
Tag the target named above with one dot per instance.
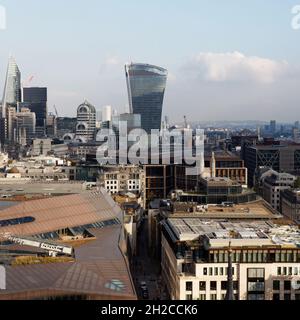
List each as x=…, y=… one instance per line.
x=227, y=60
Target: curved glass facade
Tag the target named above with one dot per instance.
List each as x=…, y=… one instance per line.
x=146, y=88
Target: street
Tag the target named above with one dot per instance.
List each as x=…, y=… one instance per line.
x=146, y=268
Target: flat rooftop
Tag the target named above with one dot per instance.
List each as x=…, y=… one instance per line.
x=258, y=209
x=220, y=232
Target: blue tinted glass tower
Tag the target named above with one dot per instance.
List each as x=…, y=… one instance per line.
x=146, y=88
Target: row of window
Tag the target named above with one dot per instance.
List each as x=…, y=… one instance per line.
x=288, y=271
x=256, y=256
x=216, y=271
x=213, y=296
x=211, y=285
x=286, y=284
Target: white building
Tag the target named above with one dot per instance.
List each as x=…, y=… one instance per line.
x=273, y=185
x=123, y=178
x=86, y=122
x=266, y=259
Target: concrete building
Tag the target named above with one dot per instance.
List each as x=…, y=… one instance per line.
x=41, y=147
x=25, y=125
x=273, y=185
x=86, y=122
x=290, y=204
x=265, y=259
x=281, y=158
x=117, y=179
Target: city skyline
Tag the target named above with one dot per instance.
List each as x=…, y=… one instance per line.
x=231, y=73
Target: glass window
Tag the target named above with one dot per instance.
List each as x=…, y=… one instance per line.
x=276, y=285
x=205, y=271
x=202, y=297
x=223, y=285
x=202, y=285
x=221, y=271
x=287, y=285
x=287, y=296
x=279, y=271
x=216, y=271
x=213, y=285
x=189, y=286
x=213, y=297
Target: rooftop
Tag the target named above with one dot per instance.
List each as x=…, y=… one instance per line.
x=219, y=233
x=99, y=269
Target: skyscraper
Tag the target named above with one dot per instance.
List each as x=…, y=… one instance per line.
x=146, y=87
x=35, y=99
x=86, y=122
x=12, y=87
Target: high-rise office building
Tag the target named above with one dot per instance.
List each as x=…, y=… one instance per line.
x=12, y=87
x=146, y=87
x=86, y=122
x=273, y=126
x=35, y=99
x=25, y=125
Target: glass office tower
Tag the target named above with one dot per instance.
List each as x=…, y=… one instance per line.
x=35, y=99
x=12, y=87
x=146, y=88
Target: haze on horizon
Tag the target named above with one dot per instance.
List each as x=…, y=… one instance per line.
x=226, y=61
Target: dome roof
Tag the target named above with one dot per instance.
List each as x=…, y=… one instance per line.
x=86, y=105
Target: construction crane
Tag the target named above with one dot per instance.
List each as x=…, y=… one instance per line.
x=27, y=82
x=55, y=110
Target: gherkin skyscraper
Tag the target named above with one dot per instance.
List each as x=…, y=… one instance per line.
x=146, y=88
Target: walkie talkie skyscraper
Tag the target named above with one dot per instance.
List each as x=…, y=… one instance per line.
x=146, y=88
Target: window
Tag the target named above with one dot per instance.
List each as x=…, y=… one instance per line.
x=287, y=285
x=287, y=296
x=284, y=271
x=202, y=285
x=205, y=271
x=216, y=271
x=223, y=285
x=210, y=271
x=221, y=271
x=276, y=285
x=276, y=296
x=256, y=286
x=235, y=285
x=12, y=222
x=256, y=273
x=188, y=297
x=213, y=297
x=202, y=297
x=279, y=271
x=189, y=286
x=213, y=285
x=256, y=296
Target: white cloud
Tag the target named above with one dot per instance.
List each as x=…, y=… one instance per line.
x=235, y=66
